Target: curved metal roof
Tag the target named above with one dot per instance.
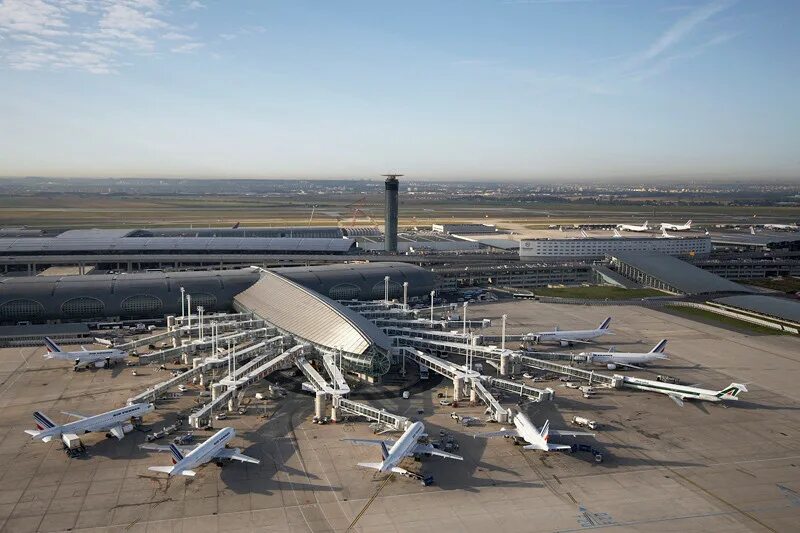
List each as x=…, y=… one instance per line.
x=309, y=315
x=782, y=308
x=87, y=243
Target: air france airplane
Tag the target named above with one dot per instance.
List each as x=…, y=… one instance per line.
x=83, y=358
x=406, y=446
x=677, y=227
x=566, y=338
x=537, y=439
x=186, y=458
x=612, y=359
x=116, y=422
x=631, y=227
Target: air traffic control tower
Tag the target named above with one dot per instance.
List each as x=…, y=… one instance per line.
x=390, y=212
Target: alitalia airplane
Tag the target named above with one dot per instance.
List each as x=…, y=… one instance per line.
x=537, y=439
x=116, y=422
x=83, y=358
x=632, y=227
x=186, y=458
x=407, y=445
x=680, y=393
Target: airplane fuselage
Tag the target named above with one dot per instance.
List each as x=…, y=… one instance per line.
x=612, y=358
x=205, y=452
x=101, y=422
x=402, y=448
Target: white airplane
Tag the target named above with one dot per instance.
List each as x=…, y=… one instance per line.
x=752, y=230
x=83, y=358
x=784, y=227
x=566, y=338
x=677, y=227
x=406, y=446
x=612, y=359
x=537, y=439
x=679, y=393
x=186, y=458
x=116, y=422
x=631, y=227
x=666, y=235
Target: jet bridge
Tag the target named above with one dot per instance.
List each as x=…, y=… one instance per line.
x=587, y=375
x=521, y=389
x=396, y=422
x=497, y=411
x=316, y=379
x=278, y=362
x=419, y=323
x=340, y=384
x=204, y=414
x=153, y=393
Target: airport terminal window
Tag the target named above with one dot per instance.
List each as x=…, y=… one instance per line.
x=207, y=301
x=83, y=306
x=346, y=291
x=21, y=309
x=141, y=304
x=395, y=290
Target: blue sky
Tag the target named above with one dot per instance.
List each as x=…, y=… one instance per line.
x=439, y=89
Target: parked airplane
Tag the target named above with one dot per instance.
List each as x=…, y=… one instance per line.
x=567, y=338
x=116, y=422
x=632, y=227
x=537, y=439
x=783, y=227
x=83, y=358
x=186, y=458
x=677, y=227
x=666, y=235
x=614, y=359
x=679, y=393
x=406, y=446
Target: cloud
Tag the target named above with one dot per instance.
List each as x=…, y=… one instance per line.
x=86, y=35
x=194, y=4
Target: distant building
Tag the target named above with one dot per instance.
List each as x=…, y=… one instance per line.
x=598, y=247
x=464, y=229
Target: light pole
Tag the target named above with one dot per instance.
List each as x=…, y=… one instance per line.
x=503, y=335
x=386, y=289
x=464, y=317
x=405, y=296
x=432, y=294
x=189, y=318
x=200, y=310
x=183, y=312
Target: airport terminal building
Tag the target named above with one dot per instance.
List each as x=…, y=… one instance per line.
x=599, y=247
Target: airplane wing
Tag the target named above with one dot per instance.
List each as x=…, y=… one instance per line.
x=628, y=365
x=423, y=448
x=165, y=448
x=74, y=415
x=370, y=442
x=234, y=454
x=84, y=348
x=502, y=433
x=117, y=431
x=568, y=433
x=677, y=398
x=551, y=447
x=574, y=341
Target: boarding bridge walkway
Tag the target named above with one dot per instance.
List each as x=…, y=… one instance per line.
x=232, y=380
x=243, y=352
x=154, y=393
x=314, y=377
x=359, y=306
x=423, y=324
x=396, y=422
x=497, y=411
x=521, y=389
x=587, y=375
x=197, y=419
x=337, y=378
x=459, y=348
x=440, y=366
x=279, y=362
x=395, y=331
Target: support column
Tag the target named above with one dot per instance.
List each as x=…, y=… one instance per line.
x=504, y=364
x=473, y=395
x=458, y=388
x=319, y=405
x=336, y=413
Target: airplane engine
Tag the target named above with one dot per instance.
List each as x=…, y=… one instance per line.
x=127, y=428
x=611, y=366
x=100, y=364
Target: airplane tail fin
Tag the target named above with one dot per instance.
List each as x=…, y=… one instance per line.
x=52, y=347
x=545, y=431
x=42, y=422
x=731, y=392
x=659, y=348
x=689, y=223
x=176, y=453
x=384, y=451
x=605, y=323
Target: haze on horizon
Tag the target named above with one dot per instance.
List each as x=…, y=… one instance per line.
x=481, y=90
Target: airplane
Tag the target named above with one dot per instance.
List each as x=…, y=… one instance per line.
x=666, y=235
x=567, y=338
x=679, y=393
x=677, y=227
x=186, y=458
x=537, y=439
x=631, y=227
x=617, y=234
x=752, y=230
x=781, y=226
x=407, y=445
x=115, y=422
x=83, y=358
x=614, y=359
